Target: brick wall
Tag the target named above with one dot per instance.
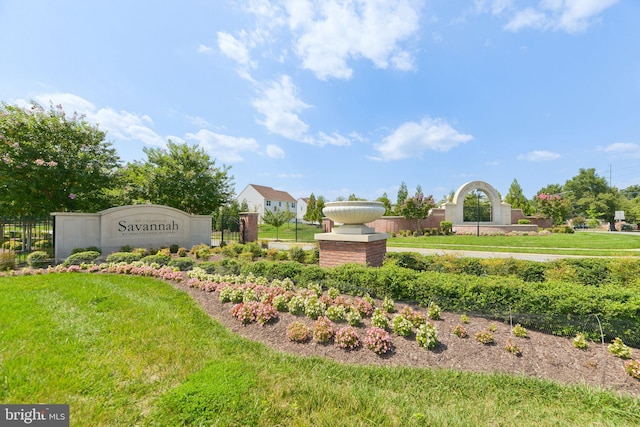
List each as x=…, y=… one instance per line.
x=334, y=253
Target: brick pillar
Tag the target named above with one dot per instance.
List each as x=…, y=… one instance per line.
x=327, y=225
x=338, y=249
x=248, y=227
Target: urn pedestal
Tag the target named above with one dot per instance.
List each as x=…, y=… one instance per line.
x=352, y=241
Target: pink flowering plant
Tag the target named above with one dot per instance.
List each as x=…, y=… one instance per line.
x=347, y=338
x=323, y=330
x=484, y=337
x=363, y=306
x=632, y=366
x=298, y=331
x=378, y=340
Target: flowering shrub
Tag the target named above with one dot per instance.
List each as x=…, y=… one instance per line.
x=427, y=336
x=519, y=331
x=243, y=313
x=493, y=328
x=264, y=313
x=460, y=331
x=323, y=330
x=364, y=307
x=298, y=332
x=401, y=325
x=225, y=294
x=464, y=318
x=249, y=295
x=580, y=342
x=619, y=349
x=633, y=368
x=336, y=313
x=512, y=348
x=342, y=300
x=380, y=319
x=353, y=317
x=378, y=340
x=333, y=293
x=347, y=338
x=296, y=305
x=254, y=311
x=280, y=302
x=237, y=295
x=388, y=305
x=434, y=311
x=416, y=318
x=313, y=307
x=484, y=337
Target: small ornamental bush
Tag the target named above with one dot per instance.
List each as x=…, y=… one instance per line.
x=388, y=305
x=296, y=305
x=434, y=312
x=298, y=331
x=619, y=349
x=184, y=263
x=38, y=259
x=580, y=342
x=519, y=331
x=347, y=338
x=225, y=294
x=159, y=259
x=380, y=319
x=333, y=293
x=243, y=313
x=316, y=288
x=7, y=261
x=633, y=368
x=416, y=318
x=313, y=307
x=427, y=336
x=264, y=313
x=401, y=325
x=182, y=252
x=484, y=337
x=493, y=328
x=81, y=258
x=370, y=300
x=464, y=319
x=336, y=313
x=512, y=348
x=460, y=331
x=127, y=257
x=363, y=306
x=322, y=330
x=353, y=317
x=281, y=303
x=237, y=295
x=378, y=340
x=249, y=295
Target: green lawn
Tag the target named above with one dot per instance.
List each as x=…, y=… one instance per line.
x=124, y=350
x=289, y=232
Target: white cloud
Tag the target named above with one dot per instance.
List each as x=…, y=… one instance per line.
x=197, y=120
x=539, y=156
x=623, y=148
x=234, y=49
x=204, y=49
x=572, y=16
x=280, y=106
x=411, y=139
x=122, y=125
x=333, y=139
x=332, y=32
x=275, y=152
x=223, y=147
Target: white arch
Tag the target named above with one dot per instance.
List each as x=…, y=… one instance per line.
x=501, y=212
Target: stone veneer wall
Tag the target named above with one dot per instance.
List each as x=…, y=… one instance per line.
x=338, y=252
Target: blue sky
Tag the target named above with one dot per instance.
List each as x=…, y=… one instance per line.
x=337, y=97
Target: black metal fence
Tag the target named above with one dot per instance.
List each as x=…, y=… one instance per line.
x=21, y=236
x=225, y=228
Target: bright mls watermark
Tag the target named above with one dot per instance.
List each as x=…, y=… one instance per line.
x=34, y=415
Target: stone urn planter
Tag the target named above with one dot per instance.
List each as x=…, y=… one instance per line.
x=353, y=215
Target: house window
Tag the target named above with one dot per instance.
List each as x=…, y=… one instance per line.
x=280, y=204
x=268, y=203
x=293, y=205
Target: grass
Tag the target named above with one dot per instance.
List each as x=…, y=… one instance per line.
x=125, y=350
x=581, y=243
x=289, y=232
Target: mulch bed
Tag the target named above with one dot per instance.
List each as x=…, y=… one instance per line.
x=542, y=355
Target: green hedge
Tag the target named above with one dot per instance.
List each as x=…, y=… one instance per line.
x=183, y=263
x=81, y=258
x=159, y=259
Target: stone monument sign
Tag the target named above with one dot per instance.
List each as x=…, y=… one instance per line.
x=137, y=226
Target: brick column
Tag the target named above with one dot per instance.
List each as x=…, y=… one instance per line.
x=248, y=227
x=365, y=249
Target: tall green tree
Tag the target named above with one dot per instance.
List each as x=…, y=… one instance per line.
x=180, y=176
x=50, y=161
x=310, y=214
x=403, y=193
x=516, y=198
x=384, y=199
x=277, y=218
x=592, y=197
